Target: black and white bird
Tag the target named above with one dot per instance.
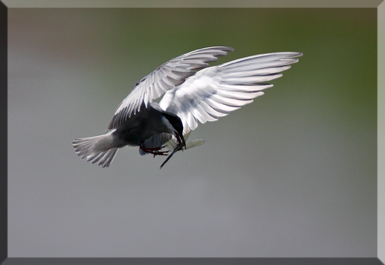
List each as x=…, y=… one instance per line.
x=193, y=92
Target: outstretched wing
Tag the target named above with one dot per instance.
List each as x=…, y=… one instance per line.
x=164, y=78
x=216, y=91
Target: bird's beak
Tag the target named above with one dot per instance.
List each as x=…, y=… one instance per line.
x=181, y=143
x=180, y=139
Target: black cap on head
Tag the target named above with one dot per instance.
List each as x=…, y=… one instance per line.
x=176, y=122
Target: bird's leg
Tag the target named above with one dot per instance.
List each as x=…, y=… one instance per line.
x=155, y=150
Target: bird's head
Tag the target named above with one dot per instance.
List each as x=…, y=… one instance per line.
x=175, y=126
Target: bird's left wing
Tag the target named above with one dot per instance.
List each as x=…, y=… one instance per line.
x=216, y=91
x=164, y=78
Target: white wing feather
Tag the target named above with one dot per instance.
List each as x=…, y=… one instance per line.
x=215, y=91
x=164, y=78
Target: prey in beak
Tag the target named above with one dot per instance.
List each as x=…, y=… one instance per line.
x=176, y=145
x=179, y=146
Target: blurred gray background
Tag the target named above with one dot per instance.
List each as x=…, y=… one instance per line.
x=291, y=175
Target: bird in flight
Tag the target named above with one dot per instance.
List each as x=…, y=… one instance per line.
x=193, y=91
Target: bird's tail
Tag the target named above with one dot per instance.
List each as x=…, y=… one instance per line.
x=97, y=149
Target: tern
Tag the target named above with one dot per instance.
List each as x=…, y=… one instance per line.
x=193, y=91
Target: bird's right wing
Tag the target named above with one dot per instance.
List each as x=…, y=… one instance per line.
x=216, y=91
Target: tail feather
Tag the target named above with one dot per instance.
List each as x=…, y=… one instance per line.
x=97, y=149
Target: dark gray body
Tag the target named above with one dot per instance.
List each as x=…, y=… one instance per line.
x=144, y=124
x=131, y=130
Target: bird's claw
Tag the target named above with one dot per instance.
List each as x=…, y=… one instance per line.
x=155, y=150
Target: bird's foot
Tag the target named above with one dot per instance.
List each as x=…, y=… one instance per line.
x=155, y=150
